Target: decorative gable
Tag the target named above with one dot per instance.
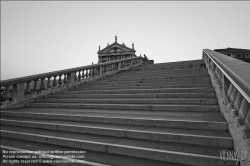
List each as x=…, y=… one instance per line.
x=115, y=47
x=115, y=51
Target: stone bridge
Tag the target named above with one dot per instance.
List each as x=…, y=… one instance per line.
x=130, y=112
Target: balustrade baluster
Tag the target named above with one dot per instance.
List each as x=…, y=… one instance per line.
x=87, y=73
x=75, y=76
x=247, y=122
x=35, y=87
x=54, y=82
x=65, y=80
x=83, y=75
x=79, y=76
x=244, y=109
x=90, y=73
x=48, y=83
x=236, y=105
x=42, y=87
x=230, y=90
x=7, y=94
x=243, y=120
x=93, y=72
x=28, y=90
x=60, y=82
x=97, y=71
x=233, y=95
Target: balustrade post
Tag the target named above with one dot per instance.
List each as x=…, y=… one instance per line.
x=119, y=66
x=96, y=72
x=18, y=92
x=7, y=94
x=100, y=70
x=71, y=79
x=28, y=90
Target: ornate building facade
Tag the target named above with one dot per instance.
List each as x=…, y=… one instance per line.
x=238, y=53
x=115, y=51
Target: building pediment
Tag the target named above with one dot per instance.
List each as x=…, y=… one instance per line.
x=115, y=48
x=115, y=51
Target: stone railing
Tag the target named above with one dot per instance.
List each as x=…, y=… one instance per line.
x=147, y=60
x=231, y=80
x=234, y=80
x=22, y=89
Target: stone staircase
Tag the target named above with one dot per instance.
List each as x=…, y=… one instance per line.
x=153, y=115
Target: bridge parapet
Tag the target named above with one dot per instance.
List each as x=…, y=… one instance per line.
x=22, y=89
x=233, y=77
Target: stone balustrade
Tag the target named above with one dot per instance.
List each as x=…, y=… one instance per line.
x=147, y=60
x=20, y=89
x=234, y=81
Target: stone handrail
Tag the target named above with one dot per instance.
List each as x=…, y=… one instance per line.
x=24, y=88
x=234, y=79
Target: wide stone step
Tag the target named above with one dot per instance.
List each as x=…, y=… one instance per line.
x=127, y=147
x=152, y=120
x=142, y=107
x=174, y=65
x=175, y=135
x=156, y=78
x=90, y=158
x=144, y=87
x=142, y=83
x=161, y=74
x=201, y=101
x=132, y=91
x=152, y=81
x=159, y=77
x=131, y=96
x=101, y=81
x=159, y=71
x=166, y=70
x=167, y=66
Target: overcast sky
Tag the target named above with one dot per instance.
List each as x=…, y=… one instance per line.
x=44, y=36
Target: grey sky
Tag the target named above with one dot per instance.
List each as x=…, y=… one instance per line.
x=44, y=36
